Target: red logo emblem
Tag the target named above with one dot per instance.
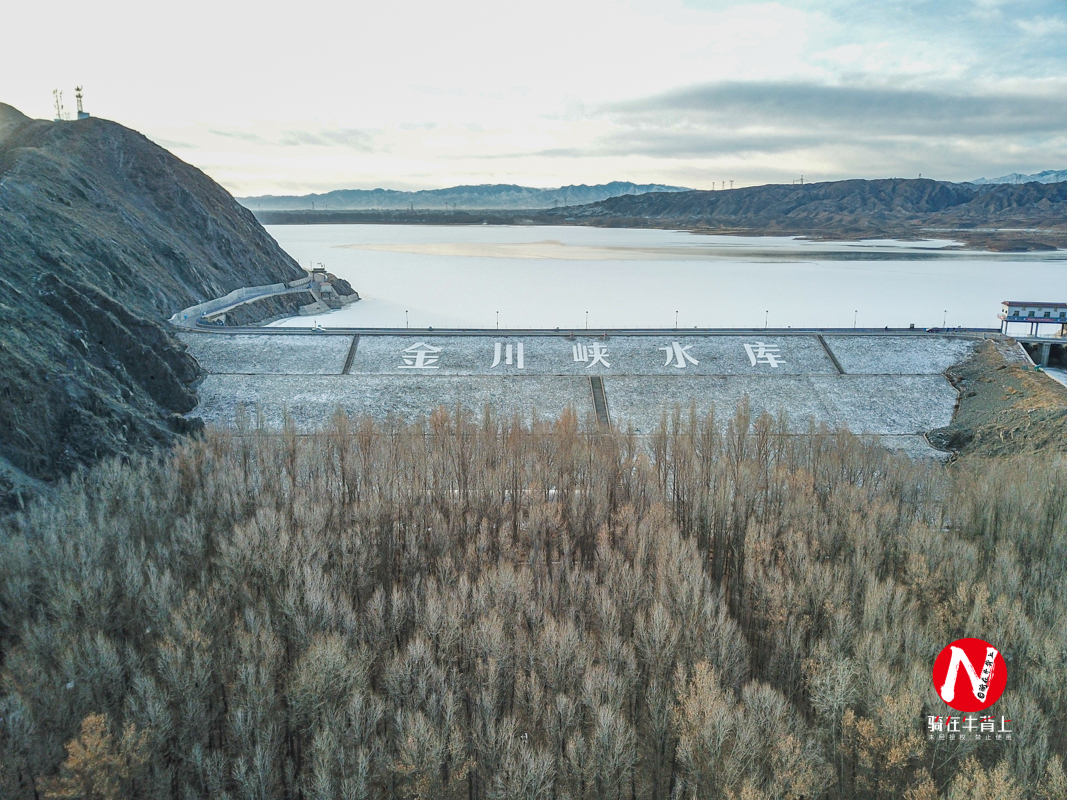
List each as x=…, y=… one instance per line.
x=970, y=674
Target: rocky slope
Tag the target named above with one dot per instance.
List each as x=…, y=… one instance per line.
x=483, y=197
x=103, y=235
x=853, y=207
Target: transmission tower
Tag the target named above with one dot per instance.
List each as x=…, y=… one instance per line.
x=57, y=100
x=82, y=114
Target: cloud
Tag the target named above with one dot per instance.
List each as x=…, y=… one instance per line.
x=298, y=138
x=437, y=91
x=810, y=107
x=174, y=144
x=1041, y=26
x=659, y=143
x=760, y=90
x=352, y=138
x=744, y=130
x=244, y=136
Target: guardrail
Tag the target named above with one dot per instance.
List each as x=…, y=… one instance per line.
x=190, y=317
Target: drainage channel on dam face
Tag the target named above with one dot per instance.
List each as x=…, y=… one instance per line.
x=351, y=355
x=829, y=352
x=600, y=401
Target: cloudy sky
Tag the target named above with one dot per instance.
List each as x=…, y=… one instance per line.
x=296, y=97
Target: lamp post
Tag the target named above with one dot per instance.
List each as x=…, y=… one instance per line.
x=855, y=316
x=587, y=320
x=405, y=319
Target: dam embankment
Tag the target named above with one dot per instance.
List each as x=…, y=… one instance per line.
x=890, y=384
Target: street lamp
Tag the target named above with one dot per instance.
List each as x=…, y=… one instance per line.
x=587, y=320
x=405, y=319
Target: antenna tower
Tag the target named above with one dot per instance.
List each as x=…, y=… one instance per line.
x=57, y=100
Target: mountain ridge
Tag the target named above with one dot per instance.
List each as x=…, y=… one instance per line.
x=1005, y=217
x=466, y=197
x=1045, y=176
x=891, y=206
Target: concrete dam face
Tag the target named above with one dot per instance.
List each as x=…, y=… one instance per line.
x=891, y=386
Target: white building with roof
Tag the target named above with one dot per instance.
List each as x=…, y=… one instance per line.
x=1033, y=315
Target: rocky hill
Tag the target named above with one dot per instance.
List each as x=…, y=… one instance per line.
x=853, y=207
x=103, y=235
x=484, y=197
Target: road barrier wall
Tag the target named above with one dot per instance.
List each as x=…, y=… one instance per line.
x=189, y=316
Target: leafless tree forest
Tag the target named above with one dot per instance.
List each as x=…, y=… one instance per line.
x=472, y=608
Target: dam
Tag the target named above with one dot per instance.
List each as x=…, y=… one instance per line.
x=886, y=383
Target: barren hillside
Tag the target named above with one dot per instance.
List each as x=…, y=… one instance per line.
x=103, y=235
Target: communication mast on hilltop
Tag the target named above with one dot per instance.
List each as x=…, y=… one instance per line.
x=82, y=113
x=57, y=100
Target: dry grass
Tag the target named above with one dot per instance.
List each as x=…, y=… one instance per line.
x=1005, y=408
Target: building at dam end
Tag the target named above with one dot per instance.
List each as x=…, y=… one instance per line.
x=1034, y=315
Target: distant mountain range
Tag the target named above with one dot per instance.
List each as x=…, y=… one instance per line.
x=484, y=197
x=1029, y=216
x=1048, y=176
x=853, y=207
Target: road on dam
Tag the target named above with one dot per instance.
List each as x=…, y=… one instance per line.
x=889, y=385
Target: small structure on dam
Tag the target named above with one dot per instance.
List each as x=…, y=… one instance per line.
x=1033, y=314
x=890, y=385
x=1046, y=322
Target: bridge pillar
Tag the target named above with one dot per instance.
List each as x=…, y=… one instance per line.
x=1045, y=350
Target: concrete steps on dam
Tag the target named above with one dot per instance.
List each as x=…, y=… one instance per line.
x=890, y=386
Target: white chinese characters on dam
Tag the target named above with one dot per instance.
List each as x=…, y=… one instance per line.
x=504, y=354
x=760, y=353
x=420, y=356
x=592, y=353
x=517, y=350
x=680, y=355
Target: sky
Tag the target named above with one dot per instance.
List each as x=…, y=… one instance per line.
x=291, y=98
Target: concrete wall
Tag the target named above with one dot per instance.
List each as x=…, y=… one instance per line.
x=189, y=316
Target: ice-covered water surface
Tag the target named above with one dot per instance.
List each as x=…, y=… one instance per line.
x=547, y=277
